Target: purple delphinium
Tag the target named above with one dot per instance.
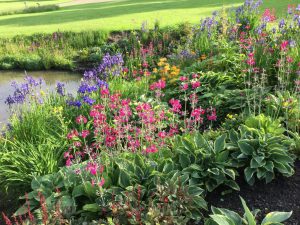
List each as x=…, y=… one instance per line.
x=86, y=87
x=88, y=100
x=281, y=24
x=76, y=103
x=23, y=90
x=60, y=88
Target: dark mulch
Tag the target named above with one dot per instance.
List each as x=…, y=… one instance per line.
x=282, y=194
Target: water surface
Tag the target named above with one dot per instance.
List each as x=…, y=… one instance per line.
x=71, y=81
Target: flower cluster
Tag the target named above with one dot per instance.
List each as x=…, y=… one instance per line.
x=26, y=91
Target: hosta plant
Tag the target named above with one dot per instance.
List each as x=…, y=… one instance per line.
x=262, y=154
x=207, y=163
x=222, y=216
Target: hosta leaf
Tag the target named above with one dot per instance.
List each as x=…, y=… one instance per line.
x=187, y=144
x=230, y=173
x=233, y=136
x=67, y=202
x=200, y=202
x=184, y=161
x=219, y=144
x=92, y=207
x=250, y=218
x=220, y=219
x=245, y=148
x=195, y=190
x=276, y=217
x=222, y=156
x=269, y=176
x=201, y=142
x=261, y=172
x=257, y=161
x=269, y=166
x=233, y=216
x=124, y=179
x=249, y=172
x=78, y=191
x=232, y=184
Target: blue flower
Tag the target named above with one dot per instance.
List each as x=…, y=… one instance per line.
x=60, y=88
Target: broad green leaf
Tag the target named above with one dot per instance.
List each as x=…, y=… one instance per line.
x=187, y=144
x=250, y=218
x=249, y=172
x=276, y=217
x=219, y=144
x=195, y=190
x=234, y=217
x=92, y=207
x=233, y=136
x=78, y=191
x=184, y=160
x=245, y=148
x=220, y=219
x=124, y=179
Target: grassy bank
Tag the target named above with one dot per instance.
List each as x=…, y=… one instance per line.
x=120, y=15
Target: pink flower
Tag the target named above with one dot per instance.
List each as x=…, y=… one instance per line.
x=289, y=59
x=283, y=46
x=162, y=134
x=85, y=133
x=101, y=183
x=212, y=116
x=196, y=84
x=72, y=134
x=184, y=86
x=92, y=168
x=251, y=61
x=183, y=78
x=176, y=106
x=145, y=64
x=81, y=119
x=151, y=149
x=68, y=162
x=193, y=98
x=194, y=76
x=196, y=113
x=98, y=107
x=104, y=92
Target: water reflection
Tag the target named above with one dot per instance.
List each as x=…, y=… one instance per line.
x=51, y=77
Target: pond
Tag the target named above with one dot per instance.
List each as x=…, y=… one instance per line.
x=71, y=81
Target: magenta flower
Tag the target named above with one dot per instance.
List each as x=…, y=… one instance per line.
x=176, y=106
x=195, y=84
x=184, y=86
x=85, y=133
x=151, y=149
x=284, y=45
x=81, y=119
x=101, y=182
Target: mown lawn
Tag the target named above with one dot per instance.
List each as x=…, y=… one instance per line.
x=13, y=5
x=120, y=14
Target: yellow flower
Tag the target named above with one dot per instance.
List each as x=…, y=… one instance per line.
x=163, y=59
x=155, y=70
x=160, y=64
x=58, y=110
x=285, y=104
x=229, y=116
x=42, y=93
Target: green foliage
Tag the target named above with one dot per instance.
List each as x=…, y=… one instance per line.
x=207, y=163
x=261, y=153
x=222, y=216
